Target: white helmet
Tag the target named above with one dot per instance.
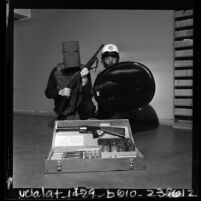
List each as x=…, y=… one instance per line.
x=110, y=50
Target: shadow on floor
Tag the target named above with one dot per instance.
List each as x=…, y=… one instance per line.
x=51, y=122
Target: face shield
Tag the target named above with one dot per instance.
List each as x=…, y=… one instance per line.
x=110, y=58
x=109, y=61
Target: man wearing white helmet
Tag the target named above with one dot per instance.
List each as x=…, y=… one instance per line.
x=110, y=55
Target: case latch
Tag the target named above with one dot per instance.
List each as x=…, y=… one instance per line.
x=131, y=163
x=59, y=166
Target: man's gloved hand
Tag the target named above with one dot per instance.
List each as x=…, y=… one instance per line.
x=84, y=72
x=65, y=92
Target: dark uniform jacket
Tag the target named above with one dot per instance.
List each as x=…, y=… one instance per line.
x=81, y=96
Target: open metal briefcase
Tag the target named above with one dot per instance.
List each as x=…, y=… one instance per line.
x=93, y=145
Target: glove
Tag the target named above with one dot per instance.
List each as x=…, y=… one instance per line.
x=84, y=72
x=65, y=92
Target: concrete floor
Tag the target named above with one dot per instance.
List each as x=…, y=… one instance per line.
x=167, y=153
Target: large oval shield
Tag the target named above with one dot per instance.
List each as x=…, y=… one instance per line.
x=124, y=86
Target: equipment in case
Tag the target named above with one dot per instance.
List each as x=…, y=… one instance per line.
x=93, y=145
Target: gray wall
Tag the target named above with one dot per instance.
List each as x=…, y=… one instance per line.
x=144, y=36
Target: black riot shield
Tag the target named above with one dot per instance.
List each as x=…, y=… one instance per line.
x=124, y=86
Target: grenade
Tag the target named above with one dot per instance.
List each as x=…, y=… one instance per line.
x=114, y=147
x=106, y=147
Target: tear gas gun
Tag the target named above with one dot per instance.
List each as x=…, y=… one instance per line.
x=97, y=131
